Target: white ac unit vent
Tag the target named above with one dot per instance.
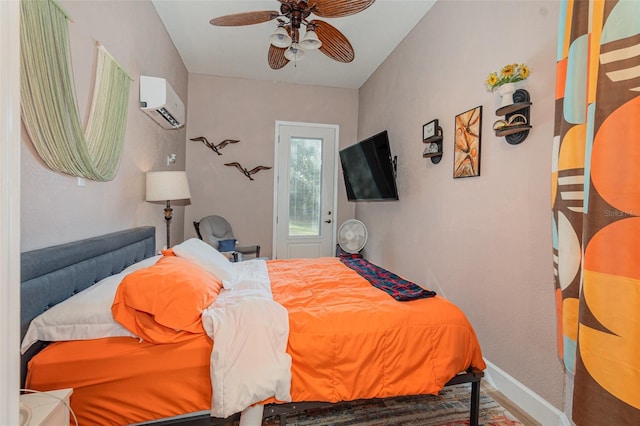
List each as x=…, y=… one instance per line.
x=161, y=103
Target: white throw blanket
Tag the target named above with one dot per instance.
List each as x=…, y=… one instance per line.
x=249, y=362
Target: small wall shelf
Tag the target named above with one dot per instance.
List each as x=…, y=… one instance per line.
x=516, y=134
x=430, y=150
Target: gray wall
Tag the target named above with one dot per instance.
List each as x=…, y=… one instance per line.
x=484, y=242
x=234, y=108
x=54, y=208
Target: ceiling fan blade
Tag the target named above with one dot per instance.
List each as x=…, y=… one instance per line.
x=338, y=8
x=334, y=44
x=244, y=18
x=276, y=57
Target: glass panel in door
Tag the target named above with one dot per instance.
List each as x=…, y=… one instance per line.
x=305, y=187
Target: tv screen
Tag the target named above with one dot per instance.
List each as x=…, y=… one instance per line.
x=369, y=170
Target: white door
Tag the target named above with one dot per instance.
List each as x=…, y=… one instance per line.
x=305, y=196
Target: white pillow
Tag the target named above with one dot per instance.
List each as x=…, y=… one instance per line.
x=84, y=316
x=210, y=259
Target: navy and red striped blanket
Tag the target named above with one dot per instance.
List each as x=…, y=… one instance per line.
x=397, y=287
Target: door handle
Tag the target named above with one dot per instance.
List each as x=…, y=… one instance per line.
x=327, y=221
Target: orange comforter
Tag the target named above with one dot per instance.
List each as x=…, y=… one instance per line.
x=348, y=340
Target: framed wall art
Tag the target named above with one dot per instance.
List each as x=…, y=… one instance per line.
x=466, y=156
x=430, y=129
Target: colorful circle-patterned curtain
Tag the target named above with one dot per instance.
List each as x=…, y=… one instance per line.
x=596, y=207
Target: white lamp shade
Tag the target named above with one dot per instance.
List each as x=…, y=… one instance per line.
x=310, y=41
x=163, y=186
x=280, y=38
x=294, y=53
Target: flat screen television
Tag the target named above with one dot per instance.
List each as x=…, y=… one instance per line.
x=369, y=170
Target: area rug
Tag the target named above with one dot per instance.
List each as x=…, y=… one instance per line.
x=449, y=408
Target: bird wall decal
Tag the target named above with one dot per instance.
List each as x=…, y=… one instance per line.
x=215, y=148
x=246, y=172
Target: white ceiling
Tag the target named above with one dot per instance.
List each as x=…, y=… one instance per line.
x=242, y=51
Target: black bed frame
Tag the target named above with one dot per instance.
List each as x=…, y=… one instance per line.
x=472, y=376
x=53, y=274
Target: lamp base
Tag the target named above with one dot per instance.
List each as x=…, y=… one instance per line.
x=167, y=217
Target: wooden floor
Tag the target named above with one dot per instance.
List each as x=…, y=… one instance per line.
x=525, y=418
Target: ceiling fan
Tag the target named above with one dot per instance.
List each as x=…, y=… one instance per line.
x=286, y=44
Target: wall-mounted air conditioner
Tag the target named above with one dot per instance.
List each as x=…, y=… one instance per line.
x=161, y=103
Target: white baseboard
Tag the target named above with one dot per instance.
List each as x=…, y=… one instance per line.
x=564, y=421
x=529, y=401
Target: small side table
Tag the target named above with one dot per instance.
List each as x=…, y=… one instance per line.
x=48, y=408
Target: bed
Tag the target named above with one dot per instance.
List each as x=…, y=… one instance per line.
x=123, y=379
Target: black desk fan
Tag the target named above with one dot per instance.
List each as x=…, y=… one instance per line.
x=352, y=237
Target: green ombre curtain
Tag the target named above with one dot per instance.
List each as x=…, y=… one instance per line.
x=48, y=102
x=596, y=207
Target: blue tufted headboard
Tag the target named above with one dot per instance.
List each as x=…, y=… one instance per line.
x=52, y=274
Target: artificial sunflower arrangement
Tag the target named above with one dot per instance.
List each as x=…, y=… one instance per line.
x=510, y=73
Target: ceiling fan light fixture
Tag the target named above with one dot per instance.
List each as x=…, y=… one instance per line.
x=280, y=38
x=310, y=41
x=294, y=53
